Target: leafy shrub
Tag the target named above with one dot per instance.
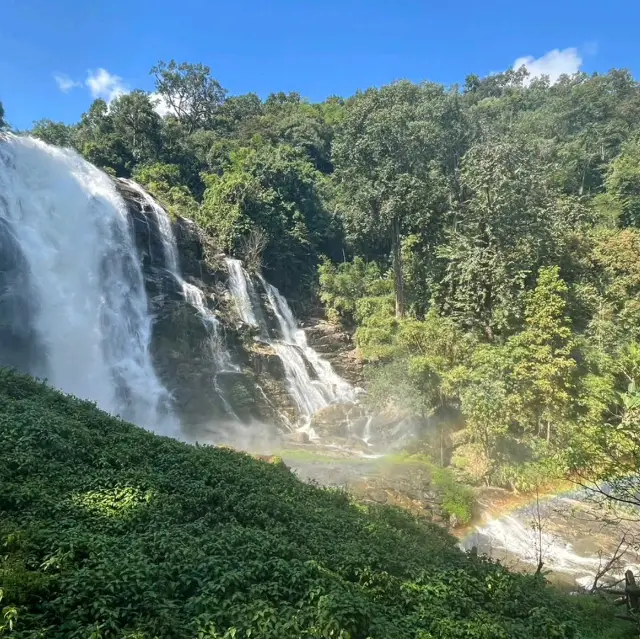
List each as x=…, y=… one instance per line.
x=458, y=499
x=110, y=531
x=343, y=285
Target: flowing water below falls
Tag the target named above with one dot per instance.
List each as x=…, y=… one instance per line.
x=566, y=531
x=78, y=274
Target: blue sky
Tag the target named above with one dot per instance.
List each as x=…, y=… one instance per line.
x=315, y=47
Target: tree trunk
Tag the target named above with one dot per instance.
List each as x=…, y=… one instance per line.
x=398, y=275
x=632, y=593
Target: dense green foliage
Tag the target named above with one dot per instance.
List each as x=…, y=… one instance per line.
x=254, y=173
x=515, y=284
x=484, y=240
x=110, y=531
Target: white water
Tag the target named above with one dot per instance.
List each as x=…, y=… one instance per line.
x=191, y=293
x=310, y=395
x=244, y=295
x=366, y=435
x=169, y=246
x=569, y=543
x=511, y=534
x=293, y=350
x=72, y=227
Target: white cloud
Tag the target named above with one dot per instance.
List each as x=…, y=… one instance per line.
x=160, y=105
x=65, y=83
x=103, y=84
x=553, y=63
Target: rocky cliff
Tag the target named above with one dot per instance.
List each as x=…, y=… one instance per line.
x=183, y=346
x=337, y=347
x=252, y=386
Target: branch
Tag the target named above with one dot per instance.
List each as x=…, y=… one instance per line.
x=617, y=553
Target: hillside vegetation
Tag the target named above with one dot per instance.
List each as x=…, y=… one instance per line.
x=107, y=530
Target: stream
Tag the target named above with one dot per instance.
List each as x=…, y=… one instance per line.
x=567, y=530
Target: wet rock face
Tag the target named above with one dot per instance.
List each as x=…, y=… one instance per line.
x=19, y=344
x=336, y=420
x=265, y=361
x=337, y=347
x=181, y=345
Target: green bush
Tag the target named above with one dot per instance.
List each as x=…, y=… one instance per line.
x=110, y=531
x=343, y=287
x=458, y=499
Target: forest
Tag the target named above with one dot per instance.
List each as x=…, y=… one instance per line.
x=480, y=241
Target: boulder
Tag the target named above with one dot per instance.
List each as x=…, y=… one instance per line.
x=335, y=420
x=337, y=347
x=300, y=437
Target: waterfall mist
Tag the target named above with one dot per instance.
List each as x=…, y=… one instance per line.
x=74, y=309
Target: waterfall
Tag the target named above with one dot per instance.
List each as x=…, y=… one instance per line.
x=89, y=312
x=312, y=382
x=245, y=296
x=191, y=293
x=330, y=385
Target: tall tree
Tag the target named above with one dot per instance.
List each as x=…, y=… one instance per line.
x=623, y=183
x=501, y=230
x=386, y=153
x=188, y=92
x=544, y=365
x=135, y=121
x=97, y=139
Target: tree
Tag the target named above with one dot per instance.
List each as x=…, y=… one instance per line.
x=542, y=353
x=487, y=407
x=236, y=111
x=97, y=139
x=387, y=152
x=275, y=190
x=3, y=124
x=501, y=230
x=344, y=284
x=135, y=120
x=604, y=455
x=164, y=181
x=189, y=92
x=623, y=182
x=56, y=133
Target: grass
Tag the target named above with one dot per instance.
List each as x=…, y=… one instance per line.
x=107, y=530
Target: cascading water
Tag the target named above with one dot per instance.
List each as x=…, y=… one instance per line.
x=572, y=542
x=89, y=304
x=245, y=297
x=293, y=350
x=169, y=246
x=191, y=293
x=310, y=395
